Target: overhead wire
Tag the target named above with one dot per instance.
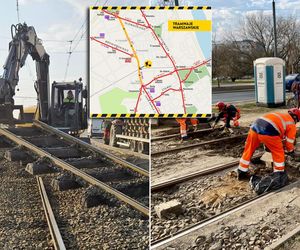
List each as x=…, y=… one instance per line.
x=72, y=49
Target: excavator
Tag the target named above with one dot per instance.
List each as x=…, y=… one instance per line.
x=69, y=116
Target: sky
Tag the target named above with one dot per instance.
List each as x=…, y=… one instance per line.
x=57, y=22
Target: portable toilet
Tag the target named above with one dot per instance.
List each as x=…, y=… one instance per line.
x=269, y=75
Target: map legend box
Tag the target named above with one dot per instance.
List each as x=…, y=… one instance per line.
x=150, y=61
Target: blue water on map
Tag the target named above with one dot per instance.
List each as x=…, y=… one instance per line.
x=204, y=38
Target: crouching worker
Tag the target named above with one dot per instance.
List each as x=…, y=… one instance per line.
x=227, y=112
x=183, y=126
x=277, y=132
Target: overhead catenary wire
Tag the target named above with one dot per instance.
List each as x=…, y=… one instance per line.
x=72, y=49
x=18, y=11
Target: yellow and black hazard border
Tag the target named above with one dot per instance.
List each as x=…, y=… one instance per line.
x=150, y=115
x=150, y=7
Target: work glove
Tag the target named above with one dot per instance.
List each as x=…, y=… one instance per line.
x=290, y=153
x=241, y=175
x=213, y=125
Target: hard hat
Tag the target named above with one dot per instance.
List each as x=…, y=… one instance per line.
x=295, y=113
x=220, y=105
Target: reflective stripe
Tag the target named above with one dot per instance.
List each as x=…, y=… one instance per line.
x=290, y=140
x=244, y=161
x=243, y=168
x=282, y=121
x=279, y=164
x=272, y=123
x=278, y=170
x=290, y=123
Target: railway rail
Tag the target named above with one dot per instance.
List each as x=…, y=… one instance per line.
x=71, y=154
x=57, y=239
x=189, y=232
x=195, y=145
x=208, y=171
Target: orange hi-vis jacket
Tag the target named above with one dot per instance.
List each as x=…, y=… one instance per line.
x=277, y=124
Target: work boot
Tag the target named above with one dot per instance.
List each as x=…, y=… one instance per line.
x=270, y=182
x=241, y=175
x=225, y=131
x=195, y=128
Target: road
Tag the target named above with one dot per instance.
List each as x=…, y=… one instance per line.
x=236, y=96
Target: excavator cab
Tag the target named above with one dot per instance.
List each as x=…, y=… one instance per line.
x=68, y=107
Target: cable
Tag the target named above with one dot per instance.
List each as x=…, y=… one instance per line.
x=71, y=51
x=18, y=13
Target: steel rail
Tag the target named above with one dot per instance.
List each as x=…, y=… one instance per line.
x=66, y=166
x=203, y=223
x=90, y=147
x=285, y=239
x=172, y=150
x=164, y=137
x=199, y=173
x=54, y=230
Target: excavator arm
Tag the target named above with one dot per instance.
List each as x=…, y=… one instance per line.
x=24, y=42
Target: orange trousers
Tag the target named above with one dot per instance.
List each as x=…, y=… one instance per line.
x=273, y=143
x=183, y=126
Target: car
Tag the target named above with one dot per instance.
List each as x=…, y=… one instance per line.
x=289, y=79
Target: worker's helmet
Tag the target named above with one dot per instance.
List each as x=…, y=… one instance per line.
x=295, y=113
x=220, y=105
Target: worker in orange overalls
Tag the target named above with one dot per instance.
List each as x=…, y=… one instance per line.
x=277, y=131
x=227, y=112
x=183, y=126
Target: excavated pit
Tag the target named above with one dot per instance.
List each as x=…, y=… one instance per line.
x=205, y=197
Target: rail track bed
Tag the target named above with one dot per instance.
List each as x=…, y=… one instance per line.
x=98, y=199
x=202, y=136
x=203, y=198
x=171, y=164
x=263, y=223
x=22, y=221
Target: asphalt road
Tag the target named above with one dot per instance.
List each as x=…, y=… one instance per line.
x=235, y=96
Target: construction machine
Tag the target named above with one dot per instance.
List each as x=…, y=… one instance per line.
x=71, y=117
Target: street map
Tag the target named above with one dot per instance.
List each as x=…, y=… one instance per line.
x=150, y=61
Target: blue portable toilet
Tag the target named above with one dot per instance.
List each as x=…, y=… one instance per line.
x=269, y=75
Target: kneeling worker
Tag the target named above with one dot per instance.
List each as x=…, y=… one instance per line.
x=228, y=112
x=270, y=130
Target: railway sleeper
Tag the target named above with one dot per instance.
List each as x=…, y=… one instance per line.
x=16, y=154
x=39, y=167
x=111, y=174
x=94, y=196
x=65, y=182
x=45, y=141
x=64, y=153
x=134, y=189
x=85, y=163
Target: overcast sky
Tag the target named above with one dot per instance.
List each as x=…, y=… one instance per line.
x=58, y=21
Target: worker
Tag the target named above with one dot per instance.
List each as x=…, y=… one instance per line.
x=70, y=97
x=183, y=126
x=68, y=107
x=276, y=131
x=228, y=112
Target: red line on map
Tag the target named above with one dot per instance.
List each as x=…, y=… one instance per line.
x=164, y=93
x=105, y=44
x=150, y=98
x=125, y=19
x=161, y=45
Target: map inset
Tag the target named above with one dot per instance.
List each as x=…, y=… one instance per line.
x=150, y=61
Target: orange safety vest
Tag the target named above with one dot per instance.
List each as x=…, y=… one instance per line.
x=285, y=125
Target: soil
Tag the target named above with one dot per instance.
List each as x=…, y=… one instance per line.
x=205, y=197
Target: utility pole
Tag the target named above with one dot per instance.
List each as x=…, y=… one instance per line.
x=275, y=31
x=18, y=13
